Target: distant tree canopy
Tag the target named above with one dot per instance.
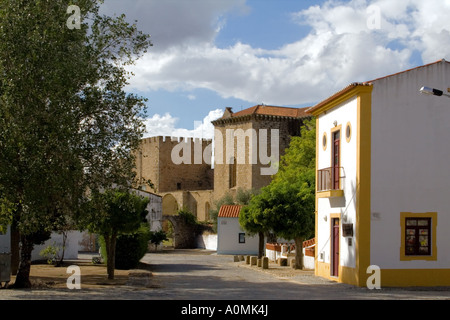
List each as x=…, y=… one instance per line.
x=286, y=206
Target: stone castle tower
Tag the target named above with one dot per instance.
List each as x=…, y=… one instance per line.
x=248, y=145
x=253, y=140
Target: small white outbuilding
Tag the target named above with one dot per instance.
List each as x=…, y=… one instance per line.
x=231, y=239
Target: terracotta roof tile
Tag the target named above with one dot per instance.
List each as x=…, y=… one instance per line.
x=266, y=111
x=272, y=111
x=229, y=211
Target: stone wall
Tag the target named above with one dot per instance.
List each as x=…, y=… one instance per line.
x=185, y=234
x=228, y=177
x=157, y=160
x=198, y=202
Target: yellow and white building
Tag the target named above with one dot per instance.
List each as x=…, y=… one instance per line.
x=383, y=180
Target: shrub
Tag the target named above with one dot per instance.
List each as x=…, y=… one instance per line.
x=51, y=253
x=157, y=237
x=130, y=248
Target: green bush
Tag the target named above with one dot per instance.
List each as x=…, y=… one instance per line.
x=130, y=248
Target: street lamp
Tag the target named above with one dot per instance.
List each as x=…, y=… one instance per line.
x=433, y=92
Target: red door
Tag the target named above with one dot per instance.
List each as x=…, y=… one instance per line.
x=335, y=160
x=335, y=248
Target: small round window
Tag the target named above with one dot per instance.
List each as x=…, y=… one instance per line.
x=348, y=132
x=324, y=141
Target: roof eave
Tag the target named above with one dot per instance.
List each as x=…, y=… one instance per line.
x=348, y=92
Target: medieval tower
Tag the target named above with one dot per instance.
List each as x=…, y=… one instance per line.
x=248, y=146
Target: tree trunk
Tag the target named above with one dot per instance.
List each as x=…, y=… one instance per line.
x=23, y=274
x=15, y=249
x=61, y=260
x=298, y=253
x=261, y=245
x=110, y=242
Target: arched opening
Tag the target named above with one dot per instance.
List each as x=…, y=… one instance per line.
x=169, y=208
x=169, y=205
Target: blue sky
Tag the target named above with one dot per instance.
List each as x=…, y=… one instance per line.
x=212, y=54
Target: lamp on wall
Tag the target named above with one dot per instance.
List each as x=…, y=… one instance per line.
x=433, y=92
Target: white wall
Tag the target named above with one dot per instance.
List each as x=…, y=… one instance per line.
x=72, y=245
x=228, y=230
x=154, y=208
x=345, y=206
x=410, y=162
x=308, y=262
x=207, y=241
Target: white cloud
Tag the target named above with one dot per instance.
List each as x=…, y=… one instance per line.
x=339, y=49
x=165, y=125
x=174, y=22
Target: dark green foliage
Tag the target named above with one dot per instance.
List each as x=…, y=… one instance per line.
x=187, y=216
x=130, y=248
x=157, y=237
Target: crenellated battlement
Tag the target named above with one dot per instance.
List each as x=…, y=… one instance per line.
x=172, y=140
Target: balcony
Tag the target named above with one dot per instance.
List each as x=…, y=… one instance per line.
x=329, y=182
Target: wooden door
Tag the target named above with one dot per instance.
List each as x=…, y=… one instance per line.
x=336, y=160
x=335, y=247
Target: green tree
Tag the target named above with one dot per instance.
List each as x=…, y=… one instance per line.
x=227, y=199
x=112, y=213
x=157, y=237
x=66, y=124
x=286, y=205
x=250, y=220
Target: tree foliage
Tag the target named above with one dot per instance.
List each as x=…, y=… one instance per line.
x=66, y=124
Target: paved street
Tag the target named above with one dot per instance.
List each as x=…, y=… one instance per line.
x=203, y=275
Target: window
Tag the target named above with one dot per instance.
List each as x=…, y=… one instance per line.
x=241, y=237
x=232, y=173
x=418, y=236
x=348, y=132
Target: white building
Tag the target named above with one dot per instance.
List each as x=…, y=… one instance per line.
x=154, y=208
x=383, y=180
x=231, y=239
